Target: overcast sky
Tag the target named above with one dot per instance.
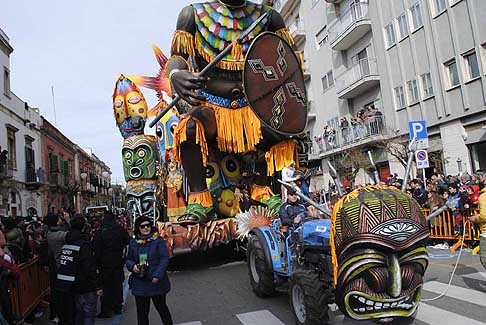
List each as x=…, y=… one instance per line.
x=80, y=47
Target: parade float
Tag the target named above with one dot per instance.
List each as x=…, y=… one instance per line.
x=229, y=114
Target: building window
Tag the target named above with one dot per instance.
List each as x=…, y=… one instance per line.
x=53, y=163
x=428, y=89
x=416, y=16
x=327, y=81
x=472, y=65
x=400, y=97
x=6, y=82
x=440, y=5
x=402, y=24
x=413, y=91
x=12, y=148
x=453, y=73
x=390, y=35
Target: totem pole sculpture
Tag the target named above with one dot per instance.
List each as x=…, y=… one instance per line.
x=139, y=150
x=227, y=116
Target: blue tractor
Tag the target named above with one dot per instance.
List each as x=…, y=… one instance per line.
x=297, y=259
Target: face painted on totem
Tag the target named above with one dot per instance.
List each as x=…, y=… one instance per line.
x=380, y=245
x=129, y=107
x=136, y=104
x=139, y=158
x=165, y=131
x=140, y=199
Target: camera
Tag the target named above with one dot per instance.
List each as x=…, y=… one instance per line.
x=143, y=270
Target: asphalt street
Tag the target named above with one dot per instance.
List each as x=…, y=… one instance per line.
x=221, y=294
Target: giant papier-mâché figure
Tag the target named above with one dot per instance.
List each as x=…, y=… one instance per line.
x=378, y=239
x=221, y=115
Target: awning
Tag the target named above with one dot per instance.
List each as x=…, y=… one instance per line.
x=475, y=136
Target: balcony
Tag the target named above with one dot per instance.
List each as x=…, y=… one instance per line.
x=351, y=26
x=5, y=173
x=32, y=181
x=285, y=6
x=307, y=74
x=297, y=31
x=358, y=79
x=374, y=129
x=311, y=110
x=55, y=179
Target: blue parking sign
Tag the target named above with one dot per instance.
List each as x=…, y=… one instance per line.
x=417, y=129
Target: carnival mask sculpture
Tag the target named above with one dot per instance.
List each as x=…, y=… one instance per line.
x=139, y=158
x=140, y=199
x=379, y=254
x=165, y=131
x=129, y=107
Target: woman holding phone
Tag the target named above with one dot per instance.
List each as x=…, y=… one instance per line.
x=148, y=259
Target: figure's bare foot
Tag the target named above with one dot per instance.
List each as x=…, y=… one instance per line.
x=195, y=213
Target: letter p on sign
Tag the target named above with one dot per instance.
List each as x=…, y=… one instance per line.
x=417, y=130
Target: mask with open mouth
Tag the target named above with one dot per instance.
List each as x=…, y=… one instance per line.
x=139, y=158
x=379, y=254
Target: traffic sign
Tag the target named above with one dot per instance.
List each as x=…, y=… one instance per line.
x=422, y=159
x=418, y=130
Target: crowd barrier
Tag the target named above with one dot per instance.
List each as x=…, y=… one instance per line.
x=29, y=290
x=446, y=227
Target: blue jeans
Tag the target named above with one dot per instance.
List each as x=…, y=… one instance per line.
x=86, y=308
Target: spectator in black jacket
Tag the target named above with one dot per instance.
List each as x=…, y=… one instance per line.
x=77, y=275
x=109, y=244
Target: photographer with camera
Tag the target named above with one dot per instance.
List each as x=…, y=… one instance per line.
x=148, y=259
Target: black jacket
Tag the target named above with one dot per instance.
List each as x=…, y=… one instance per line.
x=87, y=277
x=109, y=244
x=288, y=212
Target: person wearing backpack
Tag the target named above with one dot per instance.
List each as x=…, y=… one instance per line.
x=109, y=244
x=77, y=279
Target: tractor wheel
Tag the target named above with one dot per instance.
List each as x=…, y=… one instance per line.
x=261, y=275
x=308, y=298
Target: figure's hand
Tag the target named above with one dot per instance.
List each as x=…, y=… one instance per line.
x=155, y=280
x=297, y=219
x=136, y=269
x=238, y=195
x=185, y=83
x=313, y=212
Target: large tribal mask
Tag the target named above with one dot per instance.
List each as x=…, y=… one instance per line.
x=165, y=131
x=129, y=107
x=379, y=254
x=139, y=158
x=140, y=198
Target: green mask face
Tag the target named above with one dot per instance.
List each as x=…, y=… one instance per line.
x=139, y=158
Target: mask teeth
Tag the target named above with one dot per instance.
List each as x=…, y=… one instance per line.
x=371, y=305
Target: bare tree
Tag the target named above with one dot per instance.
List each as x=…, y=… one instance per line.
x=349, y=163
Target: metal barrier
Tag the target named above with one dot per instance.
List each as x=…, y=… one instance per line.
x=29, y=290
x=444, y=227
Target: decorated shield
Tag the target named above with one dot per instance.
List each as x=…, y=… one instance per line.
x=274, y=84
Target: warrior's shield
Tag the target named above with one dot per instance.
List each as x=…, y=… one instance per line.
x=274, y=84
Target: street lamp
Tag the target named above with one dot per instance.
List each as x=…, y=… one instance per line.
x=84, y=175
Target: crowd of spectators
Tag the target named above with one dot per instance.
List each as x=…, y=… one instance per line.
x=367, y=122
x=25, y=238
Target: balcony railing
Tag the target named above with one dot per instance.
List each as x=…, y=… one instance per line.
x=346, y=24
x=55, y=179
x=360, y=71
x=353, y=135
x=31, y=175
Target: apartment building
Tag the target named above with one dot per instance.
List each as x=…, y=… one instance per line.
x=21, y=174
x=380, y=64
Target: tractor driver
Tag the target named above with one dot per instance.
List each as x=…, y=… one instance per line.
x=292, y=212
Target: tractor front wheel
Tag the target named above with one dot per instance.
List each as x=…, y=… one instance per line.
x=261, y=275
x=308, y=298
